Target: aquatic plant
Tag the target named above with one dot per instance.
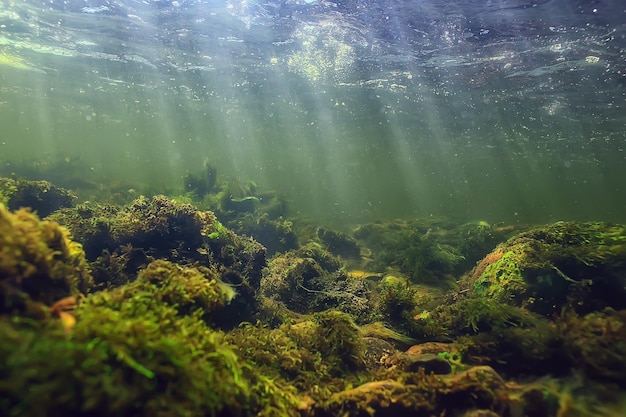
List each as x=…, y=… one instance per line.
x=338, y=243
x=303, y=286
x=90, y=224
x=289, y=279
x=275, y=235
x=201, y=183
x=161, y=228
x=281, y=353
x=315, y=251
x=475, y=240
x=338, y=291
x=416, y=249
x=474, y=315
x=317, y=354
x=476, y=391
x=397, y=302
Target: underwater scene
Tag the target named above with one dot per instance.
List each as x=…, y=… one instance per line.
x=313, y=208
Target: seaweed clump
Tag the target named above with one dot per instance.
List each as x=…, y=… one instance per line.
x=40, y=196
x=417, y=250
x=38, y=262
x=303, y=286
x=121, y=241
x=318, y=354
x=141, y=349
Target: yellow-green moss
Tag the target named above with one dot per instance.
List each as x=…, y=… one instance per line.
x=141, y=349
x=38, y=260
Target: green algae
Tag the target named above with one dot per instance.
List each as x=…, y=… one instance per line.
x=150, y=343
x=38, y=262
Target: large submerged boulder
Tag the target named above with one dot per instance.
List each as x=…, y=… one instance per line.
x=578, y=265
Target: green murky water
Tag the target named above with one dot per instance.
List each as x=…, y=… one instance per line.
x=482, y=112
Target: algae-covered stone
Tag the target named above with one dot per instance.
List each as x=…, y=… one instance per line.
x=303, y=286
x=596, y=343
x=581, y=265
x=188, y=289
x=142, y=349
x=338, y=338
x=40, y=196
x=422, y=395
x=289, y=279
x=136, y=358
x=163, y=228
x=38, y=261
x=123, y=240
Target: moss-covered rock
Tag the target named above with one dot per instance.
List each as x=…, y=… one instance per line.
x=121, y=241
x=479, y=388
x=41, y=197
x=579, y=265
x=303, y=286
x=276, y=235
x=141, y=349
x=90, y=224
x=339, y=340
x=38, y=262
x=289, y=279
x=596, y=343
x=315, y=251
x=476, y=315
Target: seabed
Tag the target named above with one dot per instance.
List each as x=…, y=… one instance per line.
x=217, y=302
